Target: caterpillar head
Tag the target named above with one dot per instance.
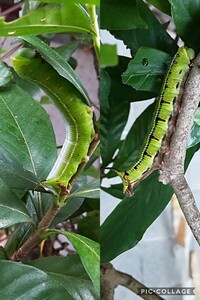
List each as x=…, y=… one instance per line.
x=127, y=186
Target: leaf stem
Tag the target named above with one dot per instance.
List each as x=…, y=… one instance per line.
x=91, y=8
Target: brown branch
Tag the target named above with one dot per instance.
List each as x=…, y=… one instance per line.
x=11, y=9
x=172, y=171
x=111, y=278
x=34, y=239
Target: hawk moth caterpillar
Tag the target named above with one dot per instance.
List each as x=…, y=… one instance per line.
x=164, y=110
x=77, y=115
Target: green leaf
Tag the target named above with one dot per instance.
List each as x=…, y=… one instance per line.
x=115, y=190
x=13, y=173
x=124, y=16
x=51, y=18
x=5, y=75
x=27, y=282
x=89, y=226
x=58, y=63
x=115, y=105
x=163, y=6
x=69, y=273
x=96, y=2
x=154, y=36
x=68, y=210
x=108, y=55
x=12, y=210
x=26, y=131
x=68, y=49
x=145, y=72
x=135, y=138
x=194, y=137
x=187, y=20
x=197, y=117
x=90, y=190
x=88, y=251
x=131, y=218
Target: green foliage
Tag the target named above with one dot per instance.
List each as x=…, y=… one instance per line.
x=28, y=152
x=136, y=79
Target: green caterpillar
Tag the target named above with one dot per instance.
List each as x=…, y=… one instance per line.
x=76, y=114
x=165, y=102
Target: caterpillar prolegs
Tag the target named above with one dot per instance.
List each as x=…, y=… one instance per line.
x=77, y=115
x=171, y=87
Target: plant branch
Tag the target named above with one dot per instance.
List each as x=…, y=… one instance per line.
x=11, y=9
x=173, y=167
x=34, y=239
x=91, y=8
x=111, y=278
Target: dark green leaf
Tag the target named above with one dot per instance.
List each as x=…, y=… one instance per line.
x=115, y=190
x=88, y=251
x=13, y=173
x=68, y=49
x=108, y=55
x=186, y=18
x=145, y=72
x=116, y=14
x=131, y=218
x=135, y=139
x=164, y=6
x=5, y=75
x=51, y=18
x=27, y=282
x=26, y=131
x=12, y=210
x=90, y=190
x=70, y=273
x=154, y=36
x=89, y=226
x=58, y=63
x=68, y=210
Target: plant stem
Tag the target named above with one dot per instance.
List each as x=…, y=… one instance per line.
x=91, y=8
x=34, y=239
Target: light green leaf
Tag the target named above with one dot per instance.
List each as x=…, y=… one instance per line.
x=108, y=55
x=89, y=252
x=5, y=74
x=70, y=273
x=90, y=190
x=58, y=63
x=12, y=210
x=96, y=2
x=51, y=18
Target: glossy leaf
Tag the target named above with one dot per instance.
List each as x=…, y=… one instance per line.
x=90, y=190
x=70, y=273
x=88, y=251
x=164, y=6
x=131, y=218
x=135, y=138
x=58, y=63
x=51, y=18
x=154, y=35
x=26, y=131
x=145, y=72
x=13, y=173
x=187, y=10
x=12, y=210
x=124, y=16
x=5, y=75
x=27, y=282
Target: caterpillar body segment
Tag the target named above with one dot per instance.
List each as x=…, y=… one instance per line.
x=77, y=115
x=171, y=93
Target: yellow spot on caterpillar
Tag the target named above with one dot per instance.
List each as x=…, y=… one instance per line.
x=12, y=32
